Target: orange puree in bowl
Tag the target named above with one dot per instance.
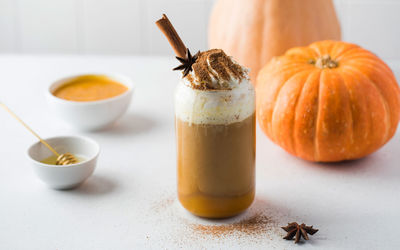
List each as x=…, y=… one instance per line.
x=90, y=88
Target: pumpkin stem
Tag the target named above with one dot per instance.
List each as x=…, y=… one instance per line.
x=324, y=62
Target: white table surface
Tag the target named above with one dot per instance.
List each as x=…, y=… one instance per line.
x=130, y=201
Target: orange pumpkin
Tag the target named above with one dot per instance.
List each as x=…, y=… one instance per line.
x=330, y=101
x=253, y=31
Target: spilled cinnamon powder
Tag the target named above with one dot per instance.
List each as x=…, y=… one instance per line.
x=163, y=204
x=255, y=225
x=215, y=65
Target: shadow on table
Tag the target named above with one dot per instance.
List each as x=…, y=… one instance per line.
x=382, y=163
x=346, y=166
x=95, y=185
x=373, y=165
x=131, y=123
x=271, y=213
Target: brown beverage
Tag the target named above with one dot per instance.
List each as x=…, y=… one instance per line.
x=215, y=131
x=216, y=167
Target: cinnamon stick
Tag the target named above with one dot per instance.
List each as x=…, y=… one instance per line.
x=170, y=33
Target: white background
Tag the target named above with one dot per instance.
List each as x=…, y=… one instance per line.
x=127, y=26
x=354, y=204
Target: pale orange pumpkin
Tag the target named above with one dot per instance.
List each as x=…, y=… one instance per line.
x=253, y=31
x=330, y=101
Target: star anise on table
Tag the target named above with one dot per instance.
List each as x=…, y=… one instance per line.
x=297, y=231
x=186, y=63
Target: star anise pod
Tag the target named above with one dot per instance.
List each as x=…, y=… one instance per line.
x=295, y=230
x=187, y=62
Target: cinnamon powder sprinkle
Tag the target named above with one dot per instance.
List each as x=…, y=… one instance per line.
x=215, y=64
x=256, y=225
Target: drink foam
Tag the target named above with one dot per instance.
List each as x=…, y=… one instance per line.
x=214, y=106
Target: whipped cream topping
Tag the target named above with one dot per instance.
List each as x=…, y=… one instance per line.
x=214, y=70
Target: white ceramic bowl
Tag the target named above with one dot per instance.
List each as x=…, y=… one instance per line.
x=92, y=115
x=68, y=176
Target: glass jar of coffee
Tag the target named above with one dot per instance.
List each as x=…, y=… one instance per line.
x=215, y=133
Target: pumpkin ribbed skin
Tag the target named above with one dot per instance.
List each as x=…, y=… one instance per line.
x=342, y=112
x=254, y=31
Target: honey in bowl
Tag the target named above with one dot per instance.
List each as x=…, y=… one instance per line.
x=90, y=88
x=52, y=160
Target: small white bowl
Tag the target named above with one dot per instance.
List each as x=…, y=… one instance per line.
x=92, y=115
x=68, y=176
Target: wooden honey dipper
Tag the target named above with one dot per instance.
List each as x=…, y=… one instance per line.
x=62, y=159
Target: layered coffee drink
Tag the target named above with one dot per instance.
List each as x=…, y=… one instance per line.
x=215, y=132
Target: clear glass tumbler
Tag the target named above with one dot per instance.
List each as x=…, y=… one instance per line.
x=215, y=133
